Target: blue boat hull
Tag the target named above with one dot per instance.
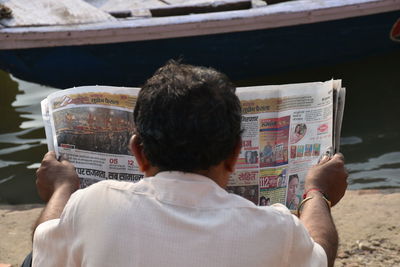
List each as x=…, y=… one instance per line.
x=241, y=55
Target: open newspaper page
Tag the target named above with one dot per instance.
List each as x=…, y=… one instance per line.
x=287, y=128
x=91, y=127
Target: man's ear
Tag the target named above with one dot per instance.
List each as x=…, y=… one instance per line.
x=230, y=162
x=137, y=150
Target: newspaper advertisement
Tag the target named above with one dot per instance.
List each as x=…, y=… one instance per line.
x=91, y=127
x=286, y=130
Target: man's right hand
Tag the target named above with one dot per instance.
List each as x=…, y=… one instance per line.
x=329, y=176
x=53, y=175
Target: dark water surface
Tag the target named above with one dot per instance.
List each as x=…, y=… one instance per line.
x=370, y=134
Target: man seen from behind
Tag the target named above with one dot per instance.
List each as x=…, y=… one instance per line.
x=187, y=141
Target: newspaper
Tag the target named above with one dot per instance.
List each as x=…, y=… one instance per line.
x=91, y=127
x=286, y=130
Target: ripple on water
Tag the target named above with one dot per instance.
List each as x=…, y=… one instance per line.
x=4, y=163
x=375, y=163
x=378, y=172
x=350, y=140
x=15, y=137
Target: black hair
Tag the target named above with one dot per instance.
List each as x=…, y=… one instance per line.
x=293, y=176
x=187, y=118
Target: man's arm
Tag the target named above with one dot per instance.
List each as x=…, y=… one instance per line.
x=56, y=181
x=329, y=177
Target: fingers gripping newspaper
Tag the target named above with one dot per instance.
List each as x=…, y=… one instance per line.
x=286, y=130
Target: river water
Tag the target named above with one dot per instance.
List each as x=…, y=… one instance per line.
x=370, y=135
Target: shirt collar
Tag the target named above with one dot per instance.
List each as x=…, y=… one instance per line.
x=191, y=190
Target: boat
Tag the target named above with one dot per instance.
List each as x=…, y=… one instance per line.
x=121, y=43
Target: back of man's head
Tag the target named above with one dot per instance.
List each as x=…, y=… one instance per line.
x=187, y=118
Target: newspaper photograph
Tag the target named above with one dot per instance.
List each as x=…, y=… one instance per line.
x=91, y=127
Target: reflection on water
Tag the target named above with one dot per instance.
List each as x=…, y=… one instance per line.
x=22, y=141
x=379, y=172
x=370, y=134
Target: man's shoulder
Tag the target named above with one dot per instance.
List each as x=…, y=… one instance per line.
x=101, y=185
x=276, y=211
x=103, y=188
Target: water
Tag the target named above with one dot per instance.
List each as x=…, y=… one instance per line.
x=22, y=142
x=370, y=134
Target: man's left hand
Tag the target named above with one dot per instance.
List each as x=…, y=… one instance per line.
x=53, y=175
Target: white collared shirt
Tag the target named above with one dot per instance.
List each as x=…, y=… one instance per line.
x=172, y=219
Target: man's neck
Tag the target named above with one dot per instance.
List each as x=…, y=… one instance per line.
x=216, y=173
